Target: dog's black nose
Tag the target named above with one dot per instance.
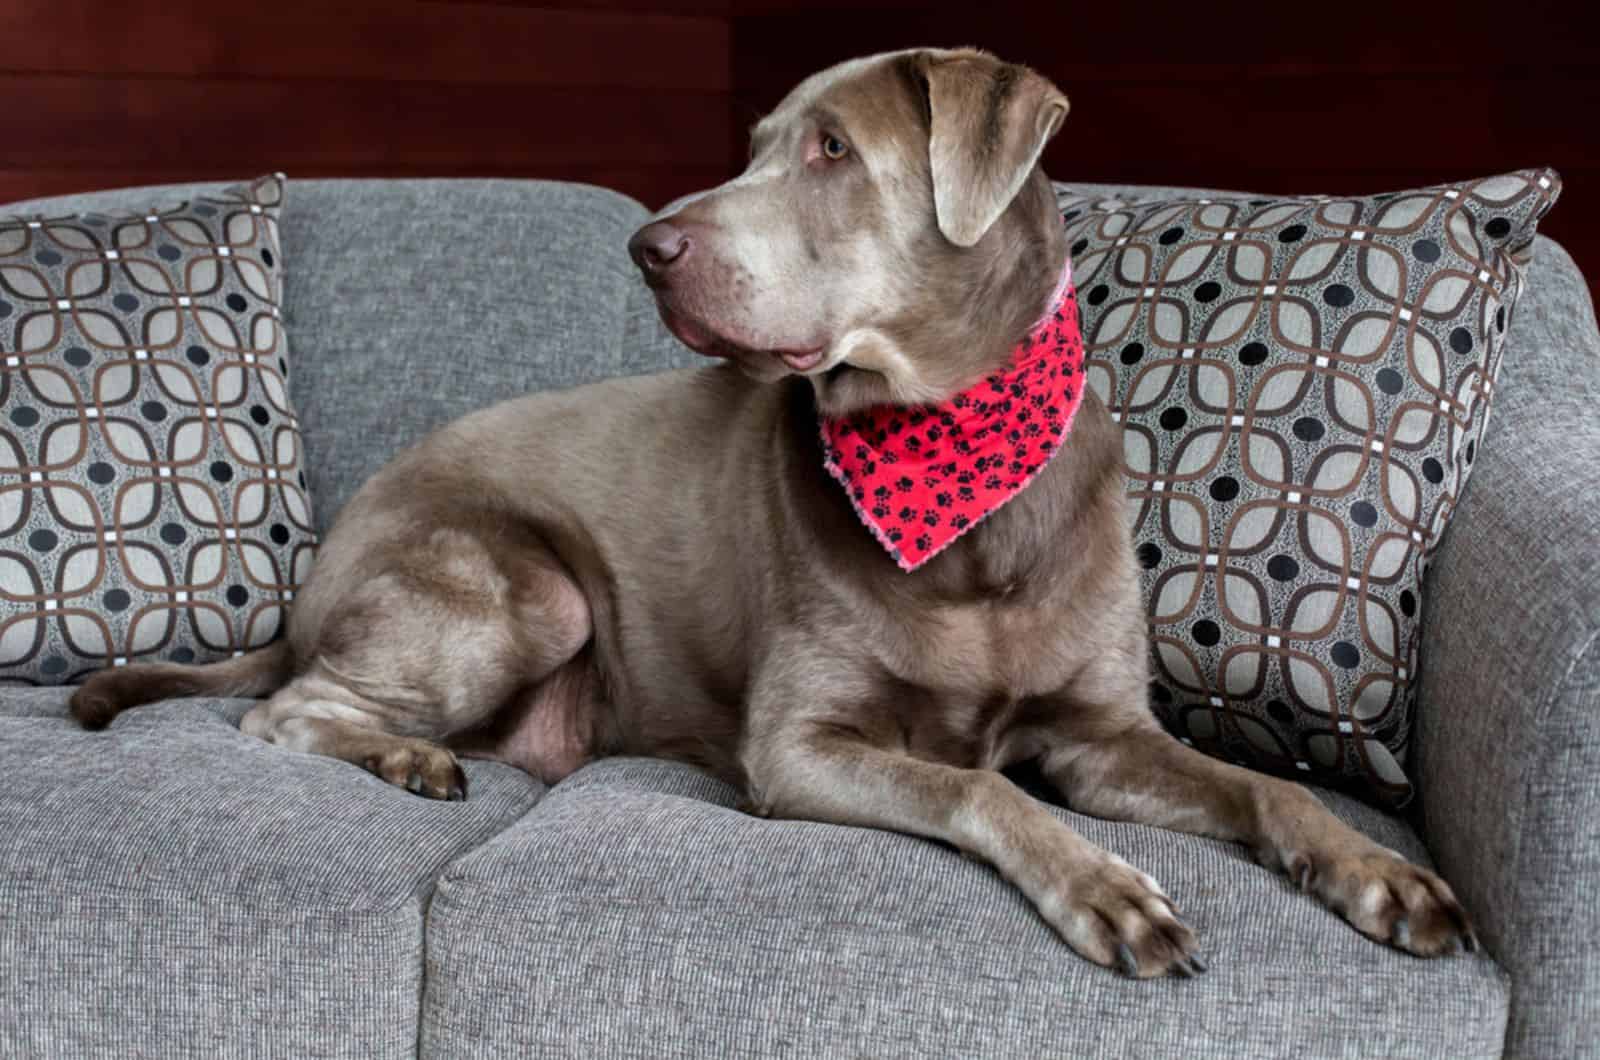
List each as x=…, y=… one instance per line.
x=656, y=246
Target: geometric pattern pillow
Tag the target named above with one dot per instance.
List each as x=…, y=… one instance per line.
x=152, y=504
x=1303, y=384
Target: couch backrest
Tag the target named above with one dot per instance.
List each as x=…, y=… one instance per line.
x=411, y=302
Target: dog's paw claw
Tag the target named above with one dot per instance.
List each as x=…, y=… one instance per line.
x=1127, y=963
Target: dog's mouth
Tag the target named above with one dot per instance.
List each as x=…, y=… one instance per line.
x=700, y=338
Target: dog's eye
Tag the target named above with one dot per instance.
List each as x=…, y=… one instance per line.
x=834, y=148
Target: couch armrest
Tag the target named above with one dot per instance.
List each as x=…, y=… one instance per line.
x=1508, y=738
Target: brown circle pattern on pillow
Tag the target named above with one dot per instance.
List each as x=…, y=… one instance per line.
x=151, y=497
x=1303, y=384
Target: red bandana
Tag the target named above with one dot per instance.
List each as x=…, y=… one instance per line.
x=922, y=476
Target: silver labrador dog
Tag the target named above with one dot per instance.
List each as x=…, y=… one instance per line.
x=662, y=566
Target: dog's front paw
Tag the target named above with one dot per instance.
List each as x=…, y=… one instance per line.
x=1116, y=916
x=1386, y=898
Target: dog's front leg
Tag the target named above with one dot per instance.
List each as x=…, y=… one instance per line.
x=1141, y=773
x=824, y=769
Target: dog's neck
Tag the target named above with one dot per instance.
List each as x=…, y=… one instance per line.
x=969, y=309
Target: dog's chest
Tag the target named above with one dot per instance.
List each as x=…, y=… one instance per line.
x=998, y=649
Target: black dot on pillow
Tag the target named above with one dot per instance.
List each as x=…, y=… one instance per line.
x=1132, y=352
x=169, y=252
x=47, y=257
x=1338, y=295
x=1425, y=250
x=236, y=302
x=182, y=655
x=1099, y=294
x=259, y=414
x=173, y=534
x=1174, y=418
x=1461, y=340
x=1160, y=693
x=1500, y=319
x=5, y=308
x=116, y=600
x=1363, y=514
x=1283, y=568
x=25, y=415
x=1279, y=712
x=1208, y=291
x=1432, y=470
x=221, y=472
x=1253, y=353
x=237, y=596
x=100, y=473
x=1205, y=632
x=125, y=302
x=1170, y=236
x=77, y=356
x=1389, y=381
x=1498, y=228
x=53, y=665
x=1472, y=448
x=1225, y=488
x=1149, y=555
x=1292, y=234
x=154, y=411
x=1408, y=602
x=266, y=256
x=197, y=355
x=279, y=534
x=1308, y=428
x=1345, y=654
x=43, y=540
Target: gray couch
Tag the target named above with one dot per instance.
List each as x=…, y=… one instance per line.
x=171, y=888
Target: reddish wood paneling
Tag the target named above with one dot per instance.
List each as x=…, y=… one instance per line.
x=652, y=96
x=367, y=41
x=97, y=95
x=1359, y=97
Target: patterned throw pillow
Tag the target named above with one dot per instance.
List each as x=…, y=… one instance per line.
x=151, y=498
x=1303, y=384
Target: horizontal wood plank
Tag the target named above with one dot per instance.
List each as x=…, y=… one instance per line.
x=1478, y=37
x=135, y=123
x=401, y=40
x=654, y=187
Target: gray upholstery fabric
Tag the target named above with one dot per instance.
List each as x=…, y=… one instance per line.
x=412, y=302
x=173, y=888
x=1509, y=733
x=634, y=913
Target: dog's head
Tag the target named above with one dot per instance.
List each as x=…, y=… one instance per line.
x=891, y=238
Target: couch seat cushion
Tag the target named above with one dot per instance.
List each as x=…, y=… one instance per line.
x=171, y=887
x=635, y=913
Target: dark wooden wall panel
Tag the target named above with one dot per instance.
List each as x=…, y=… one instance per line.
x=652, y=96
x=1351, y=98
x=99, y=94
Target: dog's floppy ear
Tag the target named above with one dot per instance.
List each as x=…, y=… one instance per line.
x=988, y=123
